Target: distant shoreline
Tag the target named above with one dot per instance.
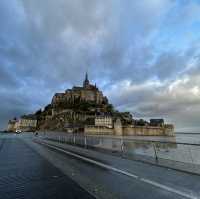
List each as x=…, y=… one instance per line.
x=176, y=133
x=187, y=133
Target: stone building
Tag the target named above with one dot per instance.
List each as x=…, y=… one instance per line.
x=120, y=129
x=86, y=93
x=106, y=121
x=27, y=123
x=12, y=125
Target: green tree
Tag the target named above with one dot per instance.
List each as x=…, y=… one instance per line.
x=110, y=108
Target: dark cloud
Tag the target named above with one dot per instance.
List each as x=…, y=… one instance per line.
x=135, y=51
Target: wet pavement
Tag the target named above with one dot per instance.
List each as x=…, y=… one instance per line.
x=24, y=174
x=30, y=169
x=159, y=182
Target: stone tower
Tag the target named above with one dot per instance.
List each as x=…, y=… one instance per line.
x=118, y=130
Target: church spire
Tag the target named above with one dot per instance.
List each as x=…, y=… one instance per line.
x=86, y=81
x=86, y=76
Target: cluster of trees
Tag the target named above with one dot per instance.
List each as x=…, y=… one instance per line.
x=80, y=105
x=47, y=111
x=141, y=122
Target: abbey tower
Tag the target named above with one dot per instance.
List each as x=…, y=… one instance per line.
x=86, y=93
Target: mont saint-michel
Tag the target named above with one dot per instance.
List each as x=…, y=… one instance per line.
x=84, y=109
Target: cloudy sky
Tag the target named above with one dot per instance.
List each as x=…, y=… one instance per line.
x=143, y=54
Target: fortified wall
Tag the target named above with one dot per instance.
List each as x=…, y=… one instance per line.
x=148, y=131
x=101, y=130
x=118, y=130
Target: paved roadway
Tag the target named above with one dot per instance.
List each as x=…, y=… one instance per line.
x=25, y=170
x=24, y=174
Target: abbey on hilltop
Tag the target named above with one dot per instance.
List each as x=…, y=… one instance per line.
x=88, y=93
x=75, y=107
x=84, y=109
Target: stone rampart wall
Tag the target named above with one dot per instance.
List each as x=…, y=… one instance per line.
x=93, y=130
x=148, y=131
x=130, y=131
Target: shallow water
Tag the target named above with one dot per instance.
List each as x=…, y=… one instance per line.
x=179, y=148
x=179, y=138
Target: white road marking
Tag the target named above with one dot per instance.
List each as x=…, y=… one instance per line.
x=168, y=188
x=156, y=184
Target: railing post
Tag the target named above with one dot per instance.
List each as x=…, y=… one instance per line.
x=155, y=152
x=190, y=154
x=101, y=141
x=122, y=146
x=85, y=141
x=74, y=139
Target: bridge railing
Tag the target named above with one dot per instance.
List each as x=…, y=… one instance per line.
x=183, y=156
